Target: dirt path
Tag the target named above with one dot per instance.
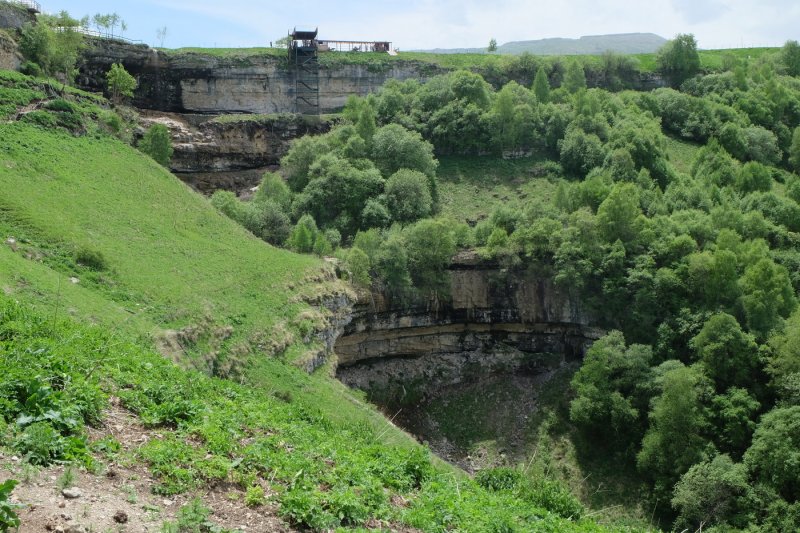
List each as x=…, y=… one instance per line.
x=119, y=499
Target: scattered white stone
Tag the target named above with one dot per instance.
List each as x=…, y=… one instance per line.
x=74, y=280
x=167, y=502
x=72, y=492
x=14, y=458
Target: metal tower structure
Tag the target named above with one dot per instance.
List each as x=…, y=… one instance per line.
x=304, y=61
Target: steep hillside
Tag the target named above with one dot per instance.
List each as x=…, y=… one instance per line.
x=107, y=256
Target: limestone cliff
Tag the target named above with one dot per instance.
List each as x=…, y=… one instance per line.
x=199, y=83
x=230, y=152
x=493, y=321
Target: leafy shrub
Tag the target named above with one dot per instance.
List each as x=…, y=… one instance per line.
x=61, y=105
x=8, y=517
x=157, y=143
x=41, y=118
x=40, y=443
x=501, y=478
x=254, y=497
x=90, y=258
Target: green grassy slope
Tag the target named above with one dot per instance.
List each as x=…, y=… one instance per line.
x=96, y=231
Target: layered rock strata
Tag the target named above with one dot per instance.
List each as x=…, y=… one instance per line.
x=493, y=321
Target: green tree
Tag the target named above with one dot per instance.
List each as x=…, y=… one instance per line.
x=673, y=443
x=357, y=264
x=392, y=264
x=774, y=455
x=120, y=83
x=575, y=77
x=492, y=45
x=157, y=143
x=304, y=235
x=395, y=147
x=733, y=414
x=56, y=52
x=767, y=296
x=713, y=492
x=610, y=390
x=303, y=152
x=580, y=152
x=679, y=59
x=790, y=57
x=337, y=192
x=273, y=188
x=729, y=355
x=619, y=216
x=408, y=196
x=541, y=86
x=430, y=249
x=784, y=362
x=794, y=151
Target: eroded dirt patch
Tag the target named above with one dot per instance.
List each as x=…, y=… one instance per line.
x=119, y=498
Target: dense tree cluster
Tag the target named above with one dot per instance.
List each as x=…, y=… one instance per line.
x=694, y=269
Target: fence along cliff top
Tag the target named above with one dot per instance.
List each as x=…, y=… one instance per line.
x=33, y=7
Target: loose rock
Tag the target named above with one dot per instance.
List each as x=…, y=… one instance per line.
x=72, y=492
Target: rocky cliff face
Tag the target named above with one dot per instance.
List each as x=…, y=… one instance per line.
x=494, y=321
x=9, y=56
x=230, y=152
x=14, y=16
x=198, y=83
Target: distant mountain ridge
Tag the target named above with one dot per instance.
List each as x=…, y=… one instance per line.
x=623, y=43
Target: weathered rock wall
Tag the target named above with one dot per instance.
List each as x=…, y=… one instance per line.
x=230, y=153
x=14, y=16
x=9, y=56
x=493, y=321
x=198, y=83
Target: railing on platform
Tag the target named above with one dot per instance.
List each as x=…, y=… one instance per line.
x=97, y=34
x=30, y=4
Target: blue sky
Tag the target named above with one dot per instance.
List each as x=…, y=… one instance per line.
x=417, y=24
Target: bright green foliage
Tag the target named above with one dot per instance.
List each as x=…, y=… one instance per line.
x=297, y=162
x=120, y=82
x=774, y=456
x=8, y=516
x=157, y=143
x=391, y=262
x=794, y=151
x=273, y=189
x=575, y=77
x=679, y=59
x=541, y=86
x=581, y=152
x=610, y=390
x=357, y=264
x=56, y=52
x=430, y=247
x=753, y=177
x=673, y=443
x=304, y=235
x=790, y=57
x=784, y=364
x=734, y=414
x=337, y=191
x=408, y=196
x=729, y=354
x=396, y=147
x=714, y=492
x=767, y=295
x=619, y=216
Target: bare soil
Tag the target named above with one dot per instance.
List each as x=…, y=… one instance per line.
x=120, y=497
